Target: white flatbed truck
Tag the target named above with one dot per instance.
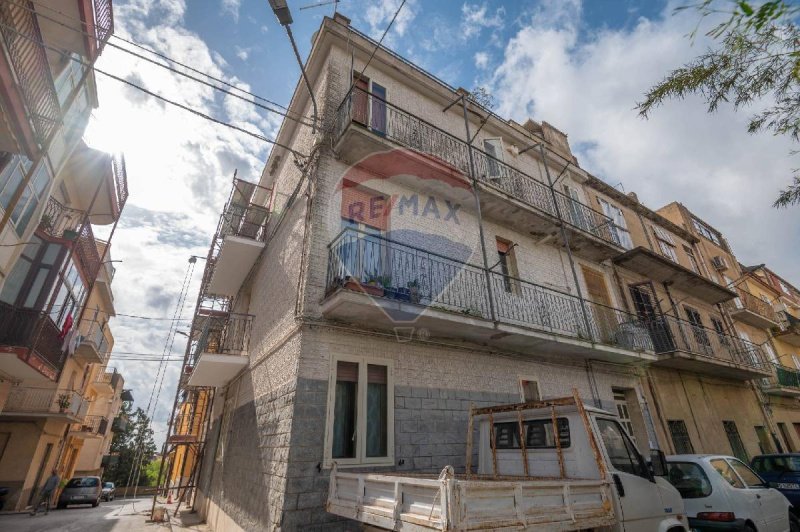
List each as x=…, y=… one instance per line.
x=588, y=476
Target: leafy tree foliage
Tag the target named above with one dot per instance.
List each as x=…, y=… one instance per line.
x=757, y=59
x=126, y=445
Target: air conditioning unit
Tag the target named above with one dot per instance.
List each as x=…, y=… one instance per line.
x=719, y=263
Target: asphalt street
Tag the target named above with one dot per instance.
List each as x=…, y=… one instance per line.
x=117, y=516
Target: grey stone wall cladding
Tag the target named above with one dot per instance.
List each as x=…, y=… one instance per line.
x=430, y=432
x=249, y=483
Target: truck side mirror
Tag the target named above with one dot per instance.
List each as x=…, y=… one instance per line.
x=658, y=463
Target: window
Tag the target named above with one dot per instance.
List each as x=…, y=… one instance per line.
x=692, y=260
x=689, y=479
x=83, y=482
x=507, y=263
x=726, y=471
x=538, y=434
x=360, y=412
x=35, y=272
x=750, y=478
x=530, y=391
x=494, y=148
x=378, y=118
x=623, y=412
x=32, y=196
x=70, y=295
x=706, y=232
x=719, y=327
x=698, y=330
x=620, y=449
x=735, y=441
x=786, y=438
x=665, y=243
x=619, y=227
x=680, y=436
x=777, y=464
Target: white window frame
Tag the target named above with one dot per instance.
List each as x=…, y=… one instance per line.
x=666, y=244
x=361, y=420
x=620, y=225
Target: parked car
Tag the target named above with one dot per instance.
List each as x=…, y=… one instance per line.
x=81, y=490
x=782, y=472
x=723, y=493
x=108, y=491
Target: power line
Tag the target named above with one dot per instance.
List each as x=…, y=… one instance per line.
x=298, y=118
x=380, y=42
x=155, y=95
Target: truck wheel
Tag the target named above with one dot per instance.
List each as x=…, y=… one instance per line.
x=794, y=523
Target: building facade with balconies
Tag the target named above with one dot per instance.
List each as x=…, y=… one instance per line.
x=97, y=430
x=54, y=190
x=414, y=255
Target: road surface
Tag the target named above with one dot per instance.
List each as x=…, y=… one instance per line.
x=117, y=516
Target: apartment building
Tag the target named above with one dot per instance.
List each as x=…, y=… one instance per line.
x=385, y=275
x=55, y=275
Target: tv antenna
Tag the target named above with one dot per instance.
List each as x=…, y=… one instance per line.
x=320, y=4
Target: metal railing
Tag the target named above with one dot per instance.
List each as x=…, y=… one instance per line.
x=221, y=333
x=673, y=334
x=747, y=301
x=120, y=173
x=97, y=425
x=104, y=21
x=784, y=378
x=381, y=267
x=22, y=37
x=29, y=328
x=61, y=221
x=242, y=216
x=404, y=128
x=24, y=400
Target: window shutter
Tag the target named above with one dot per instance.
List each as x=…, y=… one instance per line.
x=503, y=247
x=347, y=371
x=376, y=374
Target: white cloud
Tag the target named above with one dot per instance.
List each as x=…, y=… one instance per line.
x=242, y=53
x=476, y=17
x=379, y=14
x=481, y=60
x=231, y=7
x=588, y=85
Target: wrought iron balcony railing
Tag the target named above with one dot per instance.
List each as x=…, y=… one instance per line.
x=94, y=425
x=413, y=132
x=671, y=334
x=61, y=221
x=784, y=378
x=104, y=21
x=748, y=301
x=22, y=37
x=44, y=401
x=220, y=333
x=29, y=328
x=385, y=268
x=242, y=216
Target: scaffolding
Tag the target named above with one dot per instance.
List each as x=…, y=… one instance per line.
x=215, y=330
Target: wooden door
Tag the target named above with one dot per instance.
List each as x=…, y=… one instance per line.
x=601, y=310
x=360, y=99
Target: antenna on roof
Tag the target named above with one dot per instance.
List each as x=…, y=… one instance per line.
x=320, y=4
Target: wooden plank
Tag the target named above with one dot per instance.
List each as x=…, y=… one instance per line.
x=523, y=444
x=492, y=444
x=530, y=405
x=469, y=439
x=557, y=438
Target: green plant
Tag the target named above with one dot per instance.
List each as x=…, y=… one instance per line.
x=413, y=284
x=63, y=401
x=46, y=222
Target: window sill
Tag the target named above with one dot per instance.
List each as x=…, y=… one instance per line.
x=328, y=464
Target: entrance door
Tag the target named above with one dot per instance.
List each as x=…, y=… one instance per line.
x=602, y=311
x=40, y=472
x=378, y=118
x=646, y=305
x=699, y=334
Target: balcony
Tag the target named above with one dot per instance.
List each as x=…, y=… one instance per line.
x=434, y=161
x=784, y=382
x=663, y=270
x=107, y=381
x=685, y=346
x=91, y=427
x=450, y=298
x=32, y=107
x=63, y=24
x=752, y=310
x=242, y=230
x=72, y=226
x=97, y=183
x=219, y=342
x=789, y=331
x=92, y=346
x=30, y=347
x=32, y=403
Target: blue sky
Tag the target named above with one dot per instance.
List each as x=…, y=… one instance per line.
x=578, y=65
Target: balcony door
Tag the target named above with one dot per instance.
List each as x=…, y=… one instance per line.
x=699, y=332
x=649, y=312
x=601, y=309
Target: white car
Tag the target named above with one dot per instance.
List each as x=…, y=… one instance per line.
x=723, y=493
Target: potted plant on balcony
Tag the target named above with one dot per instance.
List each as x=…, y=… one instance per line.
x=413, y=291
x=374, y=285
x=63, y=402
x=46, y=223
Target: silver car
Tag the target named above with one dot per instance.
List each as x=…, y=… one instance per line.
x=81, y=490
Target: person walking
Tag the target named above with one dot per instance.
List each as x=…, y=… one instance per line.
x=46, y=494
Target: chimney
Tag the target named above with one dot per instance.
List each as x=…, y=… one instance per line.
x=341, y=19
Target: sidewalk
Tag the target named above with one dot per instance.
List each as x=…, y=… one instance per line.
x=183, y=519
